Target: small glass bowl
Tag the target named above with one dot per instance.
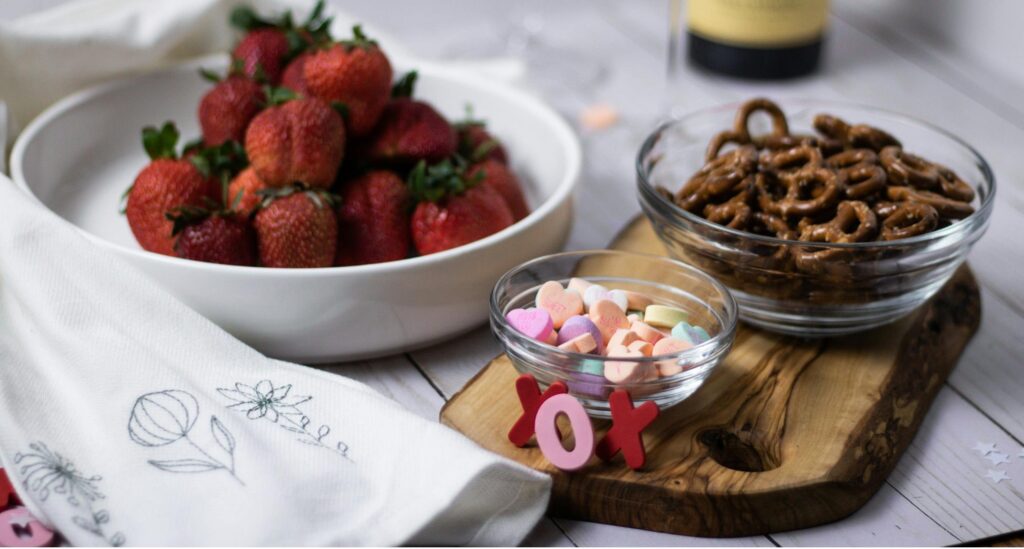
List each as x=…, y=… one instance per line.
x=858, y=285
x=667, y=281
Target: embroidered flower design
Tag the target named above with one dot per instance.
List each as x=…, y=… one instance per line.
x=161, y=418
x=46, y=472
x=264, y=400
x=277, y=404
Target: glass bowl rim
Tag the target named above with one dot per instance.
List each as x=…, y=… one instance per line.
x=714, y=346
x=978, y=216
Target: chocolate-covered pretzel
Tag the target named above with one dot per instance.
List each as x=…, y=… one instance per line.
x=909, y=219
x=794, y=158
x=854, y=222
x=904, y=168
x=947, y=207
x=722, y=139
x=809, y=191
x=780, y=126
x=863, y=180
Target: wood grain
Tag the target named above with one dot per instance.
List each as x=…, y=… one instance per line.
x=785, y=434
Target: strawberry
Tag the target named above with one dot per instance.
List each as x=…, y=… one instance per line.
x=373, y=219
x=496, y=175
x=296, y=228
x=453, y=210
x=476, y=143
x=225, y=110
x=269, y=44
x=294, y=77
x=243, y=193
x=261, y=52
x=301, y=141
x=409, y=130
x=355, y=73
x=166, y=183
x=214, y=238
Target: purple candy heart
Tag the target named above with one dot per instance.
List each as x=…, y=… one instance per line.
x=533, y=323
x=578, y=325
x=582, y=383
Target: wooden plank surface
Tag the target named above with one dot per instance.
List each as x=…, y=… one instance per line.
x=924, y=57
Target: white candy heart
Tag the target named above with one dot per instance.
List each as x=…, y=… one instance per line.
x=597, y=292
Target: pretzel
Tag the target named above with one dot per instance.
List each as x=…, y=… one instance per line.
x=952, y=186
x=851, y=157
x=780, y=127
x=863, y=180
x=884, y=208
x=831, y=126
x=854, y=222
x=718, y=177
x=803, y=156
x=904, y=168
x=862, y=135
x=809, y=191
x=722, y=139
x=909, y=219
x=734, y=213
x=771, y=225
x=946, y=207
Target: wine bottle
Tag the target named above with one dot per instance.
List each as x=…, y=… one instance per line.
x=762, y=39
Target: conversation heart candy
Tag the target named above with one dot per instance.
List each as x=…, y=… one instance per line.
x=597, y=292
x=552, y=338
x=644, y=347
x=634, y=316
x=688, y=332
x=667, y=346
x=608, y=317
x=663, y=316
x=533, y=323
x=578, y=284
x=636, y=300
x=560, y=303
x=577, y=326
x=622, y=338
x=623, y=371
x=646, y=331
x=592, y=366
x=583, y=343
x=588, y=384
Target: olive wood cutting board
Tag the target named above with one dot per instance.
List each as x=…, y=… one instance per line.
x=785, y=433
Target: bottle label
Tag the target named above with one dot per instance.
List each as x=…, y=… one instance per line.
x=758, y=23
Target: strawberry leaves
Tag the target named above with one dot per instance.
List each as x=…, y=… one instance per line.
x=314, y=31
x=405, y=85
x=358, y=40
x=278, y=95
x=437, y=181
x=162, y=142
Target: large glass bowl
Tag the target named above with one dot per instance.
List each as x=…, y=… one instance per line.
x=861, y=285
x=667, y=281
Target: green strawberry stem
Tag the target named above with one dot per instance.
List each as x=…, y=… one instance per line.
x=405, y=85
x=160, y=143
x=358, y=40
x=314, y=32
x=278, y=95
x=437, y=181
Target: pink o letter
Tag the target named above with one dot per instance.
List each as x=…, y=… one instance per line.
x=549, y=440
x=18, y=528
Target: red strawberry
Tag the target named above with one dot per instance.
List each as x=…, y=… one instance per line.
x=409, y=131
x=452, y=212
x=373, y=219
x=262, y=52
x=294, y=77
x=218, y=239
x=242, y=197
x=355, y=73
x=301, y=141
x=496, y=175
x=297, y=230
x=476, y=143
x=225, y=110
x=165, y=184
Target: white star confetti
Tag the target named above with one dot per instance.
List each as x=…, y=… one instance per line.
x=985, y=448
x=997, y=476
x=998, y=458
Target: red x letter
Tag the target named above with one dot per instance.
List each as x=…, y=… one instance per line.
x=627, y=424
x=531, y=399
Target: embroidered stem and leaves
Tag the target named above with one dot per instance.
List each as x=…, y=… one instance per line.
x=279, y=406
x=45, y=472
x=167, y=417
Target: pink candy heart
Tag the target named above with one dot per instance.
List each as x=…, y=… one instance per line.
x=560, y=303
x=533, y=323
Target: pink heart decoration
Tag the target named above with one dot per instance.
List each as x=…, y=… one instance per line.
x=533, y=323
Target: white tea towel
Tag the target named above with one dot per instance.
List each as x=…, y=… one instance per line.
x=127, y=418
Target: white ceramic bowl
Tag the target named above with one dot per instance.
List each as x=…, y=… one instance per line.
x=83, y=152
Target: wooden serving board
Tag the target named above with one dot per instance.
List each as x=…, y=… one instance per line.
x=785, y=433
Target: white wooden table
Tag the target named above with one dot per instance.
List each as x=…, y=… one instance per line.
x=960, y=64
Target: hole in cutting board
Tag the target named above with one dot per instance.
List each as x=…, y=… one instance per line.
x=737, y=451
